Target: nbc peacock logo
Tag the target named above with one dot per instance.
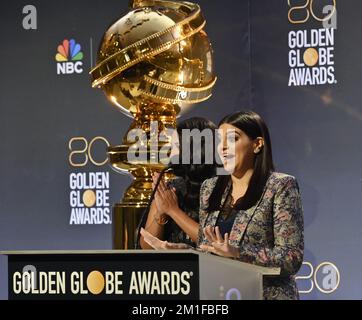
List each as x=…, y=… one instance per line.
x=69, y=57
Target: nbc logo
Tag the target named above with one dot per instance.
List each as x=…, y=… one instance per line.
x=69, y=57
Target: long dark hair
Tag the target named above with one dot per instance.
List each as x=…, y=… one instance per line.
x=253, y=126
x=195, y=174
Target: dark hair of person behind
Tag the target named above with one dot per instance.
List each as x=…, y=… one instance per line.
x=253, y=126
x=195, y=174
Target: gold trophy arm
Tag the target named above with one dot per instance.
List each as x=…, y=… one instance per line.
x=165, y=92
x=175, y=5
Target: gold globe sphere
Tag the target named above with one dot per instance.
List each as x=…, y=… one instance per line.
x=156, y=57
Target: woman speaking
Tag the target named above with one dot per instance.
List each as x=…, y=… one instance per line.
x=253, y=214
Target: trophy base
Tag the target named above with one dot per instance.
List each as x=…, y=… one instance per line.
x=125, y=222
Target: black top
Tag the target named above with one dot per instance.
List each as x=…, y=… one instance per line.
x=173, y=233
x=226, y=225
x=227, y=215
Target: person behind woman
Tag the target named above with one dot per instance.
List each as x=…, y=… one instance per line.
x=253, y=214
x=174, y=212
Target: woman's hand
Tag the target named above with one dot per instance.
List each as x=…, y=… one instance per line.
x=165, y=198
x=219, y=246
x=161, y=245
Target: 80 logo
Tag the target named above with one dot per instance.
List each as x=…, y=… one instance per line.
x=307, y=8
x=325, y=278
x=80, y=148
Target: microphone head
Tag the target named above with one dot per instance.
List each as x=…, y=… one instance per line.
x=169, y=168
x=175, y=166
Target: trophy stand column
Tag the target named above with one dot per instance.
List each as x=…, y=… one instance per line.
x=152, y=121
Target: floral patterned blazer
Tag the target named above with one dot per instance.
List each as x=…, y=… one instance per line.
x=269, y=234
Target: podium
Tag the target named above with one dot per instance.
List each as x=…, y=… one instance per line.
x=131, y=275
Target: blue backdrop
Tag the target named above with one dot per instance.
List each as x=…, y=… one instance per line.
x=276, y=57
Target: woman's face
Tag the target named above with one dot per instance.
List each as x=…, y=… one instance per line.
x=236, y=149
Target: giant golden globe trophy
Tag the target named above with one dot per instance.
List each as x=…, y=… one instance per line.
x=153, y=64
